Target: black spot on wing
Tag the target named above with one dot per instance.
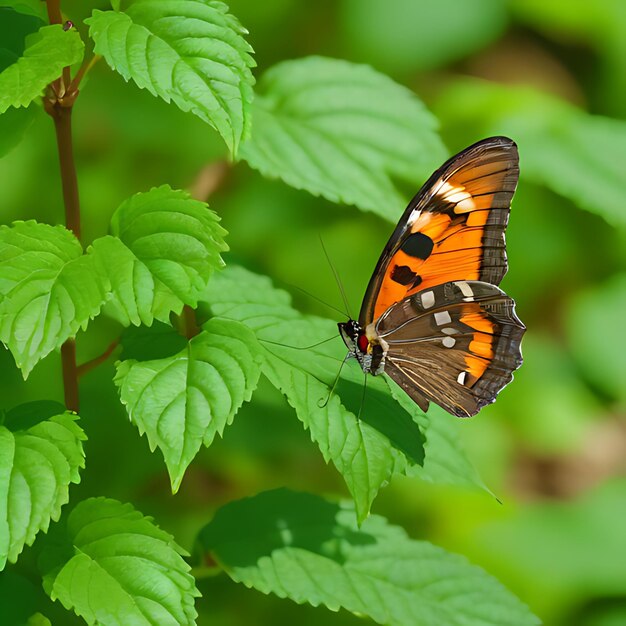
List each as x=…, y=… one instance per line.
x=418, y=246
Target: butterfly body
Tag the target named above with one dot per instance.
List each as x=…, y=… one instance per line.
x=433, y=318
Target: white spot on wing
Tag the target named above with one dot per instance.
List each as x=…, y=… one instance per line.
x=456, y=194
x=466, y=290
x=449, y=342
x=442, y=317
x=449, y=331
x=461, y=378
x=428, y=299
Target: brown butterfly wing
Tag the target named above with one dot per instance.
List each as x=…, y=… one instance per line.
x=456, y=344
x=452, y=230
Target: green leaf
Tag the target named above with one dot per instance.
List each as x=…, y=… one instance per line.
x=342, y=131
x=302, y=547
x=386, y=439
x=38, y=461
x=164, y=247
x=16, y=23
x=34, y=8
x=577, y=155
x=408, y=36
x=42, y=62
x=597, y=335
x=191, y=52
x=18, y=599
x=13, y=124
x=48, y=290
x=182, y=401
x=115, y=567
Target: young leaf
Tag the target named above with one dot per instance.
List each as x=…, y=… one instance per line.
x=342, y=131
x=42, y=62
x=387, y=438
x=191, y=52
x=115, y=567
x=302, y=547
x=164, y=247
x=558, y=142
x=48, y=290
x=182, y=401
x=41, y=452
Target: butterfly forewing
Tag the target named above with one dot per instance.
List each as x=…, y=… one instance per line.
x=456, y=344
x=452, y=230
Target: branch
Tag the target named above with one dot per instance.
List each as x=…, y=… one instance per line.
x=82, y=369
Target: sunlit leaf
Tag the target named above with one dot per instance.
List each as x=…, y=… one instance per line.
x=42, y=62
x=190, y=52
x=405, y=35
x=48, y=290
x=342, y=131
x=304, y=548
x=163, y=249
x=115, y=567
x=386, y=437
x=575, y=154
x=41, y=453
x=182, y=401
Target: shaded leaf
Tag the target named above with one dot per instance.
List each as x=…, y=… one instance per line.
x=342, y=131
x=13, y=124
x=38, y=461
x=182, y=401
x=163, y=249
x=43, y=61
x=191, y=52
x=115, y=567
x=302, y=547
x=48, y=290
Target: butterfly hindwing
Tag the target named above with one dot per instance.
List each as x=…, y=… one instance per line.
x=452, y=230
x=456, y=344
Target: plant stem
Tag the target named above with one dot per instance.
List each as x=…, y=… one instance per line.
x=62, y=116
x=70, y=375
x=89, y=365
x=190, y=326
x=59, y=106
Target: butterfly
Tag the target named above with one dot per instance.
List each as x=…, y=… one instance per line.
x=433, y=318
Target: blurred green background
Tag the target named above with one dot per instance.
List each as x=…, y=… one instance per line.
x=553, y=448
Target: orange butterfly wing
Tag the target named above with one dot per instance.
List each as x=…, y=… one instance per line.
x=452, y=230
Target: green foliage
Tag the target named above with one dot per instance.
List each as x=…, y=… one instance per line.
x=302, y=547
x=115, y=567
x=368, y=440
x=163, y=249
x=13, y=124
x=598, y=336
x=571, y=152
x=191, y=52
x=48, y=290
x=182, y=401
x=342, y=131
x=43, y=59
x=400, y=35
x=41, y=453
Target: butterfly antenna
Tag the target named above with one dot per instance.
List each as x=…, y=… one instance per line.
x=319, y=343
x=332, y=389
x=337, y=279
x=308, y=293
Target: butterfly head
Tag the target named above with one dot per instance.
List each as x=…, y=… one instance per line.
x=352, y=334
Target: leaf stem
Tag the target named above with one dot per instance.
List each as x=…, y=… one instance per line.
x=189, y=323
x=84, y=68
x=82, y=369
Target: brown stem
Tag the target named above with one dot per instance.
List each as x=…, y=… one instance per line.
x=59, y=105
x=82, y=369
x=62, y=116
x=190, y=326
x=70, y=375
